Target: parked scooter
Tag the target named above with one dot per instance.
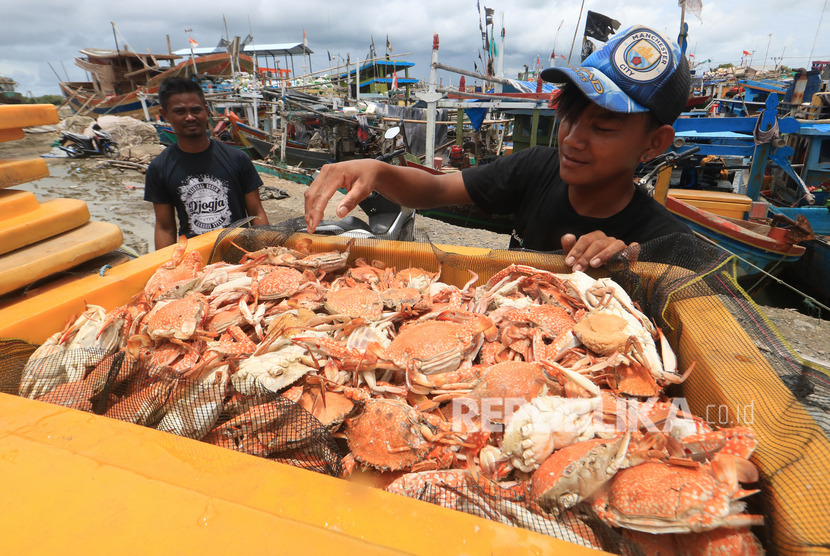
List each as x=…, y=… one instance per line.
x=387, y=220
x=77, y=145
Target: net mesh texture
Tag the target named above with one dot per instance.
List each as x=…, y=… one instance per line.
x=745, y=374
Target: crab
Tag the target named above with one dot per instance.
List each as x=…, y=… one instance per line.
x=279, y=282
x=175, y=277
x=355, y=302
x=416, y=278
x=435, y=343
x=66, y=356
x=273, y=371
x=547, y=423
x=436, y=487
x=575, y=472
x=659, y=497
x=194, y=410
x=146, y=405
x=180, y=319
x=390, y=435
x=405, y=299
x=256, y=430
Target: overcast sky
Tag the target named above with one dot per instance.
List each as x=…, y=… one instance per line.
x=37, y=33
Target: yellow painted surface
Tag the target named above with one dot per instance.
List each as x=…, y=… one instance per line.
x=49, y=219
x=17, y=171
x=23, y=266
x=11, y=134
x=26, y=115
x=102, y=486
x=14, y=203
x=33, y=317
x=731, y=205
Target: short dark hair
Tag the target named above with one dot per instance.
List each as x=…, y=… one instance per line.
x=572, y=102
x=177, y=86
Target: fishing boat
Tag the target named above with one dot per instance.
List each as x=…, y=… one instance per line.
x=758, y=246
x=792, y=192
x=265, y=146
x=124, y=83
x=723, y=216
x=8, y=94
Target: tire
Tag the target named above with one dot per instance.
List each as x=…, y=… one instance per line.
x=112, y=150
x=73, y=151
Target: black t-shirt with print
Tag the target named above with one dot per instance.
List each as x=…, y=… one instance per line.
x=527, y=184
x=207, y=188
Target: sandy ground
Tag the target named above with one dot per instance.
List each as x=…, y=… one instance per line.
x=116, y=196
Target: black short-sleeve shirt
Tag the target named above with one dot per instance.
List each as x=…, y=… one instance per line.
x=208, y=188
x=527, y=184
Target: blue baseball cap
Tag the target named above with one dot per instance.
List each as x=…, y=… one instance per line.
x=638, y=70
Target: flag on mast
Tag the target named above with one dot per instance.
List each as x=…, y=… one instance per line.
x=192, y=42
x=694, y=7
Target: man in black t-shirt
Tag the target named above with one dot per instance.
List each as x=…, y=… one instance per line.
x=615, y=112
x=207, y=184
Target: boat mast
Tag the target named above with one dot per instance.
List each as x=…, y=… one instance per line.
x=115, y=36
x=576, y=30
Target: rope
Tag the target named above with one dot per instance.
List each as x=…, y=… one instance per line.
x=762, y=271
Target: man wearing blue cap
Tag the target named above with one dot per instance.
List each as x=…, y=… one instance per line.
x=615, y=112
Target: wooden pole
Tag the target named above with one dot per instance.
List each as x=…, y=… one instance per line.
x=575, y=32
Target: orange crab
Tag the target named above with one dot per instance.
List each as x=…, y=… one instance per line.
x=390, y=435
x=575, y=472
x=354, y=302
x=175, y=276
x=660, y=497
x=181, y=319
x=436, y=343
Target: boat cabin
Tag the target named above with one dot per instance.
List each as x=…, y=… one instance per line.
x=119, y=72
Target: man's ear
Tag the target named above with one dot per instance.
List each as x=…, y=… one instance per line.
x=163, y=113
x=661, y=138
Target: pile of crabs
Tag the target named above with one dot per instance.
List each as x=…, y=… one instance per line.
x=542, y=391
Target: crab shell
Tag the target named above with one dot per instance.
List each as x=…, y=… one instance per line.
x=657, y=497
x=179, y=318
x=355, y=302
x=510, y=380
x=575, y=472
x=272, y=371
x=387, y=435
x=438, y=346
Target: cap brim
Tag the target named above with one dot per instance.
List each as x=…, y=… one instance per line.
x=597, y=86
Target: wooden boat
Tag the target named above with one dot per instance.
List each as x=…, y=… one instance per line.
x=758, y=246
x=122, y=87
x=267, y=147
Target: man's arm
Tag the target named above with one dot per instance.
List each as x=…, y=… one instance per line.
x=253, y=205
x=409, y=187
x=165, y=231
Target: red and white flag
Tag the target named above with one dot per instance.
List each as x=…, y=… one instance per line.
x=192, y=42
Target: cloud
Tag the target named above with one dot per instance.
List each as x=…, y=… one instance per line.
x=39, y=32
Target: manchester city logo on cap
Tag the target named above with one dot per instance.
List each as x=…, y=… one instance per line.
x=642, y=56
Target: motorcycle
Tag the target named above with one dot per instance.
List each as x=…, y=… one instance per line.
x=77, y=145
x=387, y=220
